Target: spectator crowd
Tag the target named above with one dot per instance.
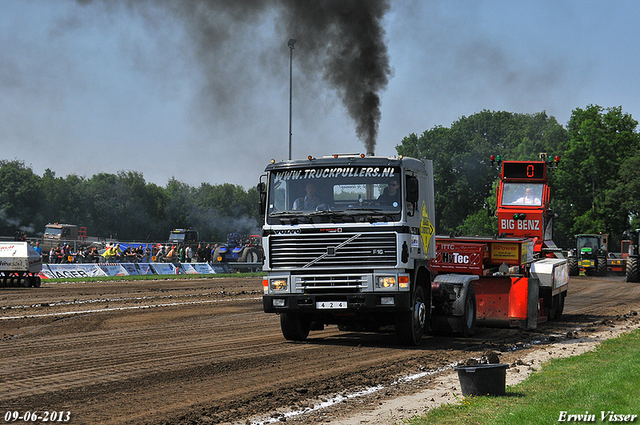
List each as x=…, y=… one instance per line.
x=133, y=253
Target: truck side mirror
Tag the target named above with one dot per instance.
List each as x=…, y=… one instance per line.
x=262, y=192
x=412, y=194
x=412, y=190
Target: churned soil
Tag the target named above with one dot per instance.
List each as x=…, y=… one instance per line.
x=201, y=351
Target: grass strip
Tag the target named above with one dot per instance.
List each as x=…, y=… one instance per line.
x=596, y=385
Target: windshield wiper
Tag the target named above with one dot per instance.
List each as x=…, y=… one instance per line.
x=284, y=214
x=372, y=214
x=290, y=217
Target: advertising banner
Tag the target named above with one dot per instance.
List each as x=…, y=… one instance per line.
x=60, y=271
x=164, y=268
x=113, y=269
x=137, y=268
x=197, y=268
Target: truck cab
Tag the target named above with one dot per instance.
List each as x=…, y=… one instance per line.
x=56, y=234
x=183, y=236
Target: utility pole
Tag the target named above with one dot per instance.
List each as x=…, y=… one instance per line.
x=292, y=41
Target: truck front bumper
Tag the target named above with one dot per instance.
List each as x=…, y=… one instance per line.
x=335, y=304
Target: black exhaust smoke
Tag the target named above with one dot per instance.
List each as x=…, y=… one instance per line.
x=346, y=39
x=342, y=40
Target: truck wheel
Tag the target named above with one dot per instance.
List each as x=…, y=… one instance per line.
x=557, y=306
x=574, y=270
x=560, y=305
x=294, y=327
x=601, y=266
x=631, y=269
x=469, y=317
x=410, y=326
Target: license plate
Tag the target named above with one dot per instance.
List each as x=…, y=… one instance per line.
x=323, y=305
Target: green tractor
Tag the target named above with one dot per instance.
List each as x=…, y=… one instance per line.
x=590, y=255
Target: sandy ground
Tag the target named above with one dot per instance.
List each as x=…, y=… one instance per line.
x=203, y=351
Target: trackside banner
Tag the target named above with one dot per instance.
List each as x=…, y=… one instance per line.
x=61, y=271
x=199, y=268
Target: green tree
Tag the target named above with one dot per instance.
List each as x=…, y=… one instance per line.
x=225, y=208
x=20, y=197
x=597, y=172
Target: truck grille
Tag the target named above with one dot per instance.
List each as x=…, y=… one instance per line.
x=333, y=251
x=333, y=283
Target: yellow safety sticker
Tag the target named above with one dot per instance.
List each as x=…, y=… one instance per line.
x=426, y=228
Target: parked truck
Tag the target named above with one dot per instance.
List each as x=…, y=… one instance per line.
x=57, y=233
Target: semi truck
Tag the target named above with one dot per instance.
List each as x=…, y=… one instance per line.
x=58, y=233
x=347, y=241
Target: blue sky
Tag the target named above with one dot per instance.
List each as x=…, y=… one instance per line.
x=102, y=87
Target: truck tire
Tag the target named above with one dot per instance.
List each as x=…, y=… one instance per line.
x=574, y=270
x=249, y=255
x=601, y=266
x=557, y=306
x=410, y=325
x=469, y=318
x=631, y=269
x=294, y=326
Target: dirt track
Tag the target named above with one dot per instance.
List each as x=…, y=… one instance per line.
x=202, y=351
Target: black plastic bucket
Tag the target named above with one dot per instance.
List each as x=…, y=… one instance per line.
x=483, y=379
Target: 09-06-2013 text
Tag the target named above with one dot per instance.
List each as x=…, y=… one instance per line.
x=35, y=416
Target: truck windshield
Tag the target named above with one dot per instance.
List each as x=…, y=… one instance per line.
x=176, y=237
x=335, y=194
x=529, y=194
x=52, y=231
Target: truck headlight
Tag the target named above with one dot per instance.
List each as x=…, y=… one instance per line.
x=278, y=285
x=386, y=282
